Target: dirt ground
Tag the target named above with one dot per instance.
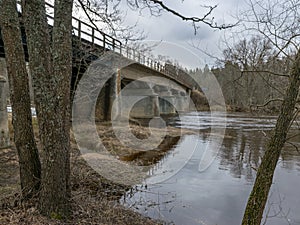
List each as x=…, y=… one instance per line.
x=94, y=198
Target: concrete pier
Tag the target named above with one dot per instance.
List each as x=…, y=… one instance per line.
x=137, y=94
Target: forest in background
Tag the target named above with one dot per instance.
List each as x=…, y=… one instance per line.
x=253, y=77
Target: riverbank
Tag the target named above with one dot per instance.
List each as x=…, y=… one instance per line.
x=94, y=198
x=200, y=103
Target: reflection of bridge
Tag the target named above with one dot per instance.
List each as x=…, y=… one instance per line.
x=89, y=43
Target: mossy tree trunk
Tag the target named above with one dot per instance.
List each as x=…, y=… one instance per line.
x=259, y=195
x=30, y=167
x=50, y=62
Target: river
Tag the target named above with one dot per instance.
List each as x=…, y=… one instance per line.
x=218, y=194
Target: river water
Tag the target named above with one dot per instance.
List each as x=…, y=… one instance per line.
x=218, y=194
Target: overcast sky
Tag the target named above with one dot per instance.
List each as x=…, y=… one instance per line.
x=176, y=35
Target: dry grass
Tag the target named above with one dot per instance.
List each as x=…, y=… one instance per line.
x=94, y=198
x=134, y=154
x=9, y=176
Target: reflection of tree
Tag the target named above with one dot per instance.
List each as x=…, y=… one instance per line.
x=229, y=151
x=290, y=154
x=241, y=152
x=205, y=134
x=238, y=166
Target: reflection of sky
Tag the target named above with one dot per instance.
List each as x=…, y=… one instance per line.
x=217, y=195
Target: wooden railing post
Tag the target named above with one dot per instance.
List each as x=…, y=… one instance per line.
x=93, y=36
x=104, y=41
x=110, y=41
x=79, y=30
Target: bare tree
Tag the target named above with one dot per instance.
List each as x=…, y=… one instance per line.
x=249, y=54
x=109, y=18
x=30, y=168
x=259, y=195
x=157, y=6
x=277, y=22
x=262, y=73
x=50, y=61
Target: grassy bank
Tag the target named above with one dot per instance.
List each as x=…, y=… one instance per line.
x=94, y=198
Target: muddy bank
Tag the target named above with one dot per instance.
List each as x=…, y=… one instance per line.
x=200, y=103
x=94, y=198
x=122, y=150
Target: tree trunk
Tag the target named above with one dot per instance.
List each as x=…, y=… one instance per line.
x=51, y=66
x=259, y=195
x=30, y=167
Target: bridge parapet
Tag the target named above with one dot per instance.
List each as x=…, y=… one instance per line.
x=97, y=40
x=87, y=33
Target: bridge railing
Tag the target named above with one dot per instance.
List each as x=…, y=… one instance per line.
x=96, y=37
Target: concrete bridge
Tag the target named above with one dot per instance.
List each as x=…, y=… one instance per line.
x=89, y=44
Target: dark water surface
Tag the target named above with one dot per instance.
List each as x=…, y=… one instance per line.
x=218, y=194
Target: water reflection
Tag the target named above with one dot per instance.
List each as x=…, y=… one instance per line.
x=240, y=154
x=219, y=194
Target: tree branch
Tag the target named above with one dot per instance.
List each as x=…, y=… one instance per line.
x=267, y=103
x=266, y=71
x=194, y=20
x=111, y=20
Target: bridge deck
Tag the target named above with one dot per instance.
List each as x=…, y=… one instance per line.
x=96, y=41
